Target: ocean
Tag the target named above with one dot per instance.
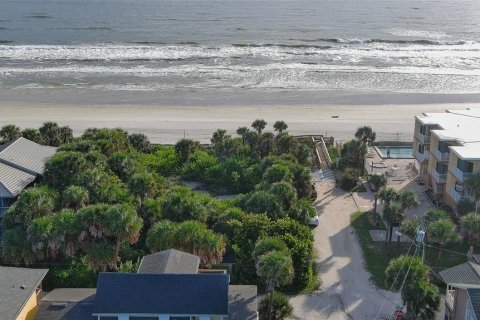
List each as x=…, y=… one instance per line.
x=229, y=51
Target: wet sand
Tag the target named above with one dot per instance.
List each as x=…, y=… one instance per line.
x=167, y=124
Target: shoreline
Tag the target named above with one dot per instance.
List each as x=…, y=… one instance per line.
x=168, y=124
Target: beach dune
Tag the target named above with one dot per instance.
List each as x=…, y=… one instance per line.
x=168, y=124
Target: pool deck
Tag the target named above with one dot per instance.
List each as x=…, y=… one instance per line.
x=402, y=174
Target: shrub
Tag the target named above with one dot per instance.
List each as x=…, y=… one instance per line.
x=465, y=206
x=281, y=308
x=76, y=275
x=349, y=179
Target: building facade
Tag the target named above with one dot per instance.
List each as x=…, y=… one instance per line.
x=447, y=149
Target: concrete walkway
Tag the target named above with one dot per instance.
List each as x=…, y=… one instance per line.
x=347, y=292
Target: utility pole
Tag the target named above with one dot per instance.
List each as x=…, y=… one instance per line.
x=419, y=238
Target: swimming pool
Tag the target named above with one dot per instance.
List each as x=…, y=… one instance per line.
x=395, y=152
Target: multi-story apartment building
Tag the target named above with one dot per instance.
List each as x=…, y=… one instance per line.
x=447, y=148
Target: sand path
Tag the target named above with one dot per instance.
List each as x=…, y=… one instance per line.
x=346, y=291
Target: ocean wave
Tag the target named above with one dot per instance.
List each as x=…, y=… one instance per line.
x=279, y=45
x=389, y=41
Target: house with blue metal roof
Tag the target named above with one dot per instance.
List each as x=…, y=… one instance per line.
x=167, y=286
x=462, y=298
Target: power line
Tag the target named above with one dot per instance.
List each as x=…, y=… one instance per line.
x=394, y=281
x=405, y=279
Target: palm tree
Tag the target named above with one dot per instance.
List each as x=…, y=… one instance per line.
x=32, y=134
x=409, y=227
x=15, y=247
x=242, y=132
x=443, y=232
x=387, y=195
x=473, y=185
x=161, y=236
x=353, y=153
x=471, y=224
x=142, y=185
x=101, y=256
x=422, y=299
x=266, y=144
x=122, y=224
x=75, y=197
x=365, y=134
x=276, y=268
x=393, y=214
x=398, y=270
x=9, y=132
x=185, y=148
x=259, y=125
x=268, y=244
x=407, y=199
x=140, y=142
x=378, y=181
x=280, y=126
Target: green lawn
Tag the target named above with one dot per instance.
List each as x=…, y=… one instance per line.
x=377, y=255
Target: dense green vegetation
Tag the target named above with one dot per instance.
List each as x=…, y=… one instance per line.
x=108, y=197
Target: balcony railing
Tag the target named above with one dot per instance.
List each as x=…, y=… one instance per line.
x=442, y=156
x=421, y=157
x=462, y=176
x=457, y=196
x=449, y=297
x=422, y=138
x=439, y=177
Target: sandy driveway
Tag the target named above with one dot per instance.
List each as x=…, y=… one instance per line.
x=346, y=291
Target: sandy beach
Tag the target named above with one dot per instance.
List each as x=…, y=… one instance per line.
x=167, y=124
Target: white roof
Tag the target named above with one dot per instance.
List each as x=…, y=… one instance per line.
x=461, y=126
x=13, y=181
x=20, y=163
x=26, y=155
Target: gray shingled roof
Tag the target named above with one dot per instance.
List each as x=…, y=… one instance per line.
x=13, y=181
x=465, y=273
x=178, y=294
x=242, y=302
x=475, y=299
x=16, y=287
x=67, y=304
x=26, y=155
x=169, y=261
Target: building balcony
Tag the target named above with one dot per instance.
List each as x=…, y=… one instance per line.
x=439, y=177
x=423, y=139
x=441, y=156
x=421, y=157
x=457, y=196
x=460, y=175
x=449, y=298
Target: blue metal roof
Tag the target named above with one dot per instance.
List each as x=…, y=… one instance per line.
x=475, y=299
x=179, y=294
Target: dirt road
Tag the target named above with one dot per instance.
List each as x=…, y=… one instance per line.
x=346, y=291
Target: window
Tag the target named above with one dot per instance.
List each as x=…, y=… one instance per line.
x=423, y=129
x=460, y=188
x=142, y=318
x=109, y=318
x=465, y=166
x=442, y=168
x=443, y=147
x=421, y=148
x=180, y=318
